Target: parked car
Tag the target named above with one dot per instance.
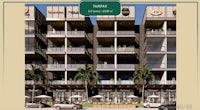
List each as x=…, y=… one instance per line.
x=36, y=105
x=67, y=105
x=170, y=106
x=151, y=104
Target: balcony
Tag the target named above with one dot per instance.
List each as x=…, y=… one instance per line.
x=29, y=50
x=58, y=82
x=30, y=82
x=171, y=66
x=155, y=49
x=171, y=32
x=33, y=50
x=29, y=67
x=75, y=66
x=75, y=33
x=102, y=50
x=125, y=67
x=41, y=37
x=126, y=50
x=41, y=52
x=105, y=34
x=125, y=82
x=56, y=50
x=149, y=33
x=30, y=32
x=162, y=82
x=105, y=66
x=125, y=33
x=171, y=82
x=157, y=82
x=156, y=65
x=106, y=82
x=72, y=82
x=75, y=50
x=55, y=34
x=55, y=67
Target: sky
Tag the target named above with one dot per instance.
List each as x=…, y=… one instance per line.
x=139, y=9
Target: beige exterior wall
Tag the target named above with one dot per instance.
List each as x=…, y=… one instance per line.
x=55, y=12
x=29, y=12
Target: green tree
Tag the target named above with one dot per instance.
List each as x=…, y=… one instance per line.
x=140, y=78
x=87, y=76
x=35, y=74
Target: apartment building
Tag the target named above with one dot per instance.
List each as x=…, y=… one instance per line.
x=114, y=47
x=35, y=43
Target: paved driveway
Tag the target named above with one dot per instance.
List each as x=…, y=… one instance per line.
x=96, y=109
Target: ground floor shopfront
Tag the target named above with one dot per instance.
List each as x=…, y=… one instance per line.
x=116, y=96
x=110, y=94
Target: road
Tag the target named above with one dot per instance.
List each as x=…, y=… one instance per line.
x=96, y=109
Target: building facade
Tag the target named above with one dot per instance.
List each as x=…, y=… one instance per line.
x=114, y=47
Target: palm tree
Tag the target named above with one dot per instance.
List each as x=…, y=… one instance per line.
x=87, y=76
x=141, y=76
x=35, y=74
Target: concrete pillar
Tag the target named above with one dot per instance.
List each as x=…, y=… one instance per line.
x=115, y=56
x=65, y=52
x=164, y=78
x=165, y=27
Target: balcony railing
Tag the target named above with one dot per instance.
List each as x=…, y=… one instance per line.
x=151, y=48
x=156, y=65
x=41, y=52
x=72, y=82
x=106, y=82
x=156, y=82
x=75, y=66
x=75, y=32
x=58, y=82
x=125, y=66
x=56, y=32
x=155, y=32
x=56, y=49
x=75, y=49
x=125, y=82
x=42, y=37
x=105, y=66
x=28, y=66
x=54, y=66
x=30, y=82
x=125, y=32
x=29, y=49
x=171, y=82
x=171, y=32
x=27, y=32
x=125, y=49
x=105, y=49
x=105, y=32
x=171, y=65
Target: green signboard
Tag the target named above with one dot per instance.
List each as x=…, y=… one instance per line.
x=88, y=8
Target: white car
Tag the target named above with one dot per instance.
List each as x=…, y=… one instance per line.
x=151, y=104
x=67, y=105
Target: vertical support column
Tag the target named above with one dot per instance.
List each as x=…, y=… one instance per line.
x=115, y=56
x=65, y=52
x=164, y=78
x=165, y=27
